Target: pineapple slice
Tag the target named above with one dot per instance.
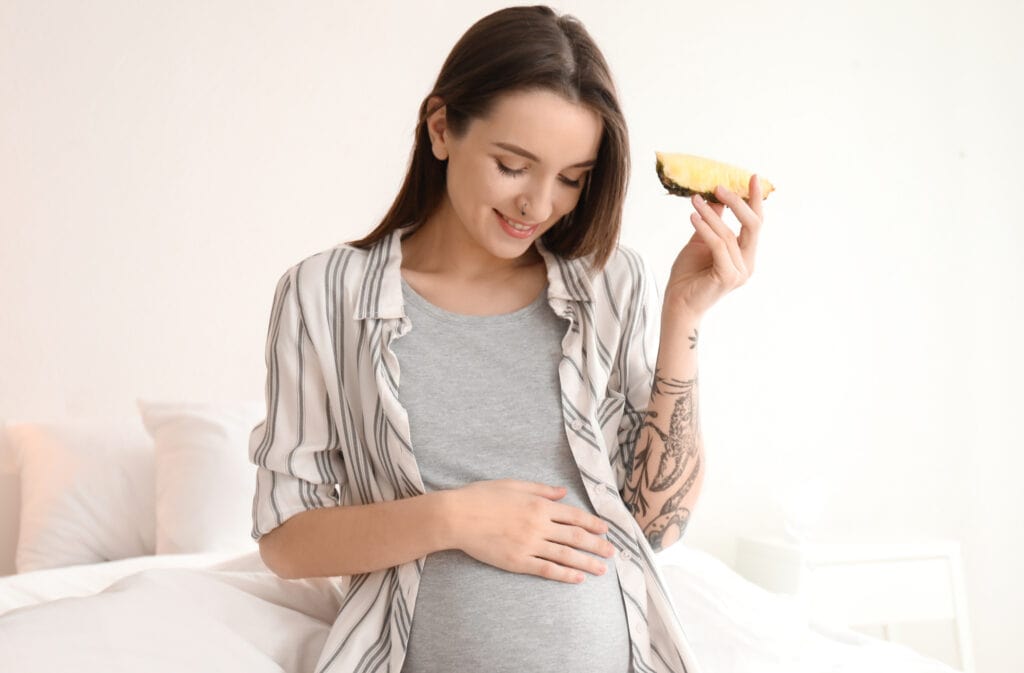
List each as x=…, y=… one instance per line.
x=687, y=174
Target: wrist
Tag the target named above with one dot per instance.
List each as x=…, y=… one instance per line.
x=674, y=309
x=680, y=318
x=445, y=516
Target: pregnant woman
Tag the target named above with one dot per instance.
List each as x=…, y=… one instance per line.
x=468, y=412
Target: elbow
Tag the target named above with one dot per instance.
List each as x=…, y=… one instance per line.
x=667, y=530
x=272, y=558
x=669, y=527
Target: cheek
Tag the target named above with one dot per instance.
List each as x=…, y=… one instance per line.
x=483, y=186
x=567, y=202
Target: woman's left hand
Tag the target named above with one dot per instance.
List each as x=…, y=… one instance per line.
x=715, y=261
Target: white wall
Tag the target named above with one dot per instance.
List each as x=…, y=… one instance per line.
x=162, y=163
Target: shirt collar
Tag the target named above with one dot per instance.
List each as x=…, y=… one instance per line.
x=380, y=294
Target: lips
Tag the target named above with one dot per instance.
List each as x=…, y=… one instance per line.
x=511, y=229
x=521, y=224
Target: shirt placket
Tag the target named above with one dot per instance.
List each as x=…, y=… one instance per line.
x=596, y=470
x=403, y=480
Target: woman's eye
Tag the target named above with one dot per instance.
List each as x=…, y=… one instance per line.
x=517, y=172
x=508, y=171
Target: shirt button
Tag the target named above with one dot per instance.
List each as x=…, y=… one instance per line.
x=625, y=555
x=576, y=424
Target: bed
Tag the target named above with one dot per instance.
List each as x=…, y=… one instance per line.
x=130, y=540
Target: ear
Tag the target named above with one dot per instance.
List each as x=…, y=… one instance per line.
x=437, y=127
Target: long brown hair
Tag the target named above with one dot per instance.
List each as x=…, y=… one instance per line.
x=524, y=49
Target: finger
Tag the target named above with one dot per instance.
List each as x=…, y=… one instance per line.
x=570, y=541
x=756, y=197
x=574, y=516
x=750, y=220
x=744, y=211
x=563, y=554
x=723, y=232
x=719, y=250
x=553, y=571
x=749, y=235
x=536, y=487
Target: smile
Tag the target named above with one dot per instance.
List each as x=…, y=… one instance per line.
x=515, y=228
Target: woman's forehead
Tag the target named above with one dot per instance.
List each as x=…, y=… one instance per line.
x=546, y=126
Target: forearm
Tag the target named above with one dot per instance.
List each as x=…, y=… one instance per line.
x=353, y=539
x=668, y=462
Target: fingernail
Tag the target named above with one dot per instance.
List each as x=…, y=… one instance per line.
x=698, y=198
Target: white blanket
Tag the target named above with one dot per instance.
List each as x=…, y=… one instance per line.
x=225, y=613
x=84, y=580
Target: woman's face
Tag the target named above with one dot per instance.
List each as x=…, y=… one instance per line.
x=535, y=147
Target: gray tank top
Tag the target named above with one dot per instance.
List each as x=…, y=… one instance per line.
x=484, y=402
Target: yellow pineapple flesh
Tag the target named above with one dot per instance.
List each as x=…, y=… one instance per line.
x=688, y=174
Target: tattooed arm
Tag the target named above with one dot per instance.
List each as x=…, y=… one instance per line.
x=666, y=469
x=668, y=464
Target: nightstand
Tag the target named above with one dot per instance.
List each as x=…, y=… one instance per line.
x=896, y=586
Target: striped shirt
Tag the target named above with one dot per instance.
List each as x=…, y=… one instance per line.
x=335, y=432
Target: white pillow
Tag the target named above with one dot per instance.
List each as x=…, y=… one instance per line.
x=204, y=479
x=86, y=491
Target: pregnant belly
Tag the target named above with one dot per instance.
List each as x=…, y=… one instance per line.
x=470, y=616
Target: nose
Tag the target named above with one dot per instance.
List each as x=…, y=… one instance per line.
x=538, y=201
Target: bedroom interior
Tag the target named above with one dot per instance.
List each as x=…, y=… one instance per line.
x=163, y=165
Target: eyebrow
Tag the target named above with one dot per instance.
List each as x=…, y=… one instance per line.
x=523, y=153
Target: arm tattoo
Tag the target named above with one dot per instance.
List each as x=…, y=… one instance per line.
x=678, y=446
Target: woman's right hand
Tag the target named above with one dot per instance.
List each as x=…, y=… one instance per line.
x=515, y=525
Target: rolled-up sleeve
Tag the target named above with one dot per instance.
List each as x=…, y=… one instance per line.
x=296, y=448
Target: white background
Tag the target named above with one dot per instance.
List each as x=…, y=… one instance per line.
x=162, y=163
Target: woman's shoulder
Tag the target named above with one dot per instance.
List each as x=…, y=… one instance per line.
x=342, y=257
x=325, y=274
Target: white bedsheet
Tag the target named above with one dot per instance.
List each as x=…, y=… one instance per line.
x=736, y=626
x=227, y=612
x=83, y=580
